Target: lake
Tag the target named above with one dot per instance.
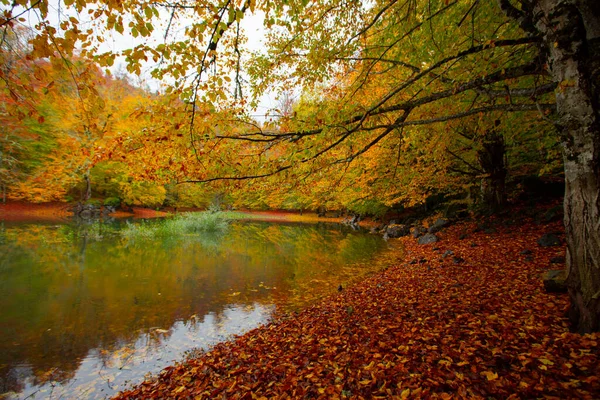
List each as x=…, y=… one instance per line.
x=86, y=312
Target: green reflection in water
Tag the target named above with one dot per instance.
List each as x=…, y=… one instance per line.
x=83, y=310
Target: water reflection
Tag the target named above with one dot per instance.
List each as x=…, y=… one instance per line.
x=84, y=310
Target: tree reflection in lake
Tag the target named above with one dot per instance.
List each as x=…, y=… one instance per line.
x=85, y=310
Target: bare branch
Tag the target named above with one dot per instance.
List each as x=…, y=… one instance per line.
x=237, y=178
x=373, y=21
x=468, y=164
x=487, y=109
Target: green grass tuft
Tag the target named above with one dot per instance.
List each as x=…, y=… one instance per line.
x=181, y=224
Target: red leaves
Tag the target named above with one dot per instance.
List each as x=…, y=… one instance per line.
x=480, y=328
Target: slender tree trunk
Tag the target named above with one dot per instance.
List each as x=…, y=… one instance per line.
x=571, y=30
x=492, y=160
x=88, y=186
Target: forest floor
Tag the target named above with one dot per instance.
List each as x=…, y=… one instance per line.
x=473, y=324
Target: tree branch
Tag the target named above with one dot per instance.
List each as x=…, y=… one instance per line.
x=237, y=178
x=523, y=18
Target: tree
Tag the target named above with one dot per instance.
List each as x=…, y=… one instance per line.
x=571, y=35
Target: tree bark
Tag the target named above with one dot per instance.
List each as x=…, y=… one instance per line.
x=571, y=30
x=491, y=158
x=88, y=186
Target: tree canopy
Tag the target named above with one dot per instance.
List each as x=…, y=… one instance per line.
x=388, y=91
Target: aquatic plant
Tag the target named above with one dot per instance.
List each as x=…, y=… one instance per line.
x=181, y=224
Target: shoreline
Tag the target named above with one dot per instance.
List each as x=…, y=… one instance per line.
x=59, y=212
x=473, y=323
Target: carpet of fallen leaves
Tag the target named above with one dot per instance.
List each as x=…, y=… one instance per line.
x=474, y=324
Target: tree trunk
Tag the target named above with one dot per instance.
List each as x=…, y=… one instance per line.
x=88, y=187
x=492, y=160
x=571, y=31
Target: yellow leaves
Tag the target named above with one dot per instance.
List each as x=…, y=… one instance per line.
x=544, y=363
x=445, y=362
x=405, y=394
x=490, y=376
x=523, y=385
x=148, y=11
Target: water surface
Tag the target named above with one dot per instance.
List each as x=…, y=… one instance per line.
x=84, y=311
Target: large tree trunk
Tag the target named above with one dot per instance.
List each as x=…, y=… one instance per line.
x=571, y=30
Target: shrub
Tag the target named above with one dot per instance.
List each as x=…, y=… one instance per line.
x=112, y=202
x=94, y=202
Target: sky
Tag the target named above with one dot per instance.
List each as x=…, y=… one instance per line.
x=251, y=24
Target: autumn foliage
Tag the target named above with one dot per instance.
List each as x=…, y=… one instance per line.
x=473, y=324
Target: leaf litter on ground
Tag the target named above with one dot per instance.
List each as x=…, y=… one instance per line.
x=426, y=327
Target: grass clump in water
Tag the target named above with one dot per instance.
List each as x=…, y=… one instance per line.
x=181, y=224
x=197, y=222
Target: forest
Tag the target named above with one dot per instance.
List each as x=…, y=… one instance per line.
x=76, y=132
x=382, y=106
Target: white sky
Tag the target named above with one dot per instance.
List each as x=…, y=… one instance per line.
x=252, y=25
